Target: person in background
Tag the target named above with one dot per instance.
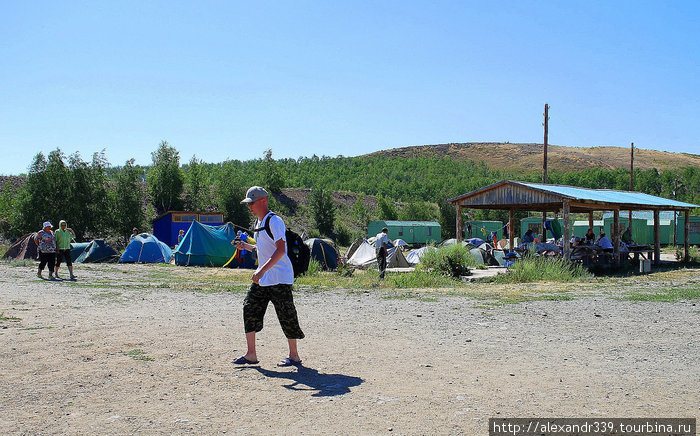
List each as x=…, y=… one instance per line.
x=380, y=243
x=528, y=238
x=46, y=241
x=64, y=235
x=180, y=235
x=604, y=242
x=589, y=239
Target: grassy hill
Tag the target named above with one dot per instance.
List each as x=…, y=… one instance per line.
x=528, y=157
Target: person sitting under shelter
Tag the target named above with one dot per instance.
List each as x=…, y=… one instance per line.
x=528, y=237
x=604, y=242
x=589, y=239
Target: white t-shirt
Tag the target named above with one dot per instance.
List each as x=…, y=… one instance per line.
x=282, y=271
x=381, y=238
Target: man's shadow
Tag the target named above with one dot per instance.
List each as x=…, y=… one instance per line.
x=308, y=379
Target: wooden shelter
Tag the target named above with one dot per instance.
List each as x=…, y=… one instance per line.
x=514, y=195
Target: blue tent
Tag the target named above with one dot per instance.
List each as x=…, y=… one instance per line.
x=146, y=248
x=205, y=245
x=98, y=251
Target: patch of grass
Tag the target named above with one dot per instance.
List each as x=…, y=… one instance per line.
x=420, y=279
x=17, y=302
x=107, y=296
x=88, y=345
x=9, y=318
x=666, y=295
x=139, y=354
x=21, y=262
x=3, y=249
x=48, y=327
x=533, y=268
x=429, y=299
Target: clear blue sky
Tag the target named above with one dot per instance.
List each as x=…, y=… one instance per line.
x=230, y=79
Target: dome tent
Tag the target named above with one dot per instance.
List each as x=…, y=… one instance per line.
x=98, y=251
x=146, y=248
x=323, y=253
x=205, y=245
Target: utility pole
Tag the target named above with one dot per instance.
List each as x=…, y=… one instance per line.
x=632, y=166
x=544, y=168
x=546, y=132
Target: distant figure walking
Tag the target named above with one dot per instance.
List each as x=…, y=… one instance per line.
x=46, y=241
x=64, y=235
x=272, y=281
x=381, y=244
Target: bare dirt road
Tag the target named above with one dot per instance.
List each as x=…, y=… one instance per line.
x=134, y=349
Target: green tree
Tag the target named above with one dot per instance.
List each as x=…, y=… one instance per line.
x=87, y=205
x=360, y=212
x=127, y=200
x=230, y=190
x=271, y=174
x=447, y=220
x=387, y=211
x=197, y=182
x=165, y=178
x=418, y=211
x=322, y=210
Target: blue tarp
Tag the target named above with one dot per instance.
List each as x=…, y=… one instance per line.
x=206, y=245
x=146, y=248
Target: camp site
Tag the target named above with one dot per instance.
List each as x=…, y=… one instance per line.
x=350, y=218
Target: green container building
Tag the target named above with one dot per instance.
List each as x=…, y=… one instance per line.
x=581, y=227
x=640, y=229
x=694, y=230
x=413, y=232
x=483, y=229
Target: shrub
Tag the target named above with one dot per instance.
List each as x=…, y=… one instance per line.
x=452, y=261
x=343, y=237
x=541, y=268
x=314, y=268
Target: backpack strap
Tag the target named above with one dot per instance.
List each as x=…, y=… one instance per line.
x=266, y=226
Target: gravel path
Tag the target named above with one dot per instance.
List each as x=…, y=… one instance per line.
x=112, y=355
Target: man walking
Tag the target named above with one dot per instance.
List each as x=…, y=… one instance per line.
x=272, y=281
x=64, y=235
x=381, y=242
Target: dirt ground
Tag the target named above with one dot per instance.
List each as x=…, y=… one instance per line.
x=135, y=349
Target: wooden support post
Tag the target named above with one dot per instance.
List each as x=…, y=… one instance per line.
x=686, y=237
x=657, y=239
x=544, y=229
x=511, y=229
x=590, y=219
x=567, y=231
x=460, y=232
x=616, y=237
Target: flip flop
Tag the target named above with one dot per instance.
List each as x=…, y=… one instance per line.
x=289, y=362
x=243, y=361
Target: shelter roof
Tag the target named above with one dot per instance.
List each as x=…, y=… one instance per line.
x=411, y=223
x=508, y=194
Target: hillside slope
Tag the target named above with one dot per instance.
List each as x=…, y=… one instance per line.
x=528, y=157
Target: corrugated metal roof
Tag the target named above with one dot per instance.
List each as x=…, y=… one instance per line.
x=645, y=214
x=608, y=195
x=410, y=223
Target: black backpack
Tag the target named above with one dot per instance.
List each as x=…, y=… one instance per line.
x=297, y=251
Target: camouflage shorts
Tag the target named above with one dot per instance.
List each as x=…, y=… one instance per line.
x=255, y=305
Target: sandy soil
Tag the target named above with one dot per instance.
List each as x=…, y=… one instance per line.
x=121, y=352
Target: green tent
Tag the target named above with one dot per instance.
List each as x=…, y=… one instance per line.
x=205, y=245
x=98, y=251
